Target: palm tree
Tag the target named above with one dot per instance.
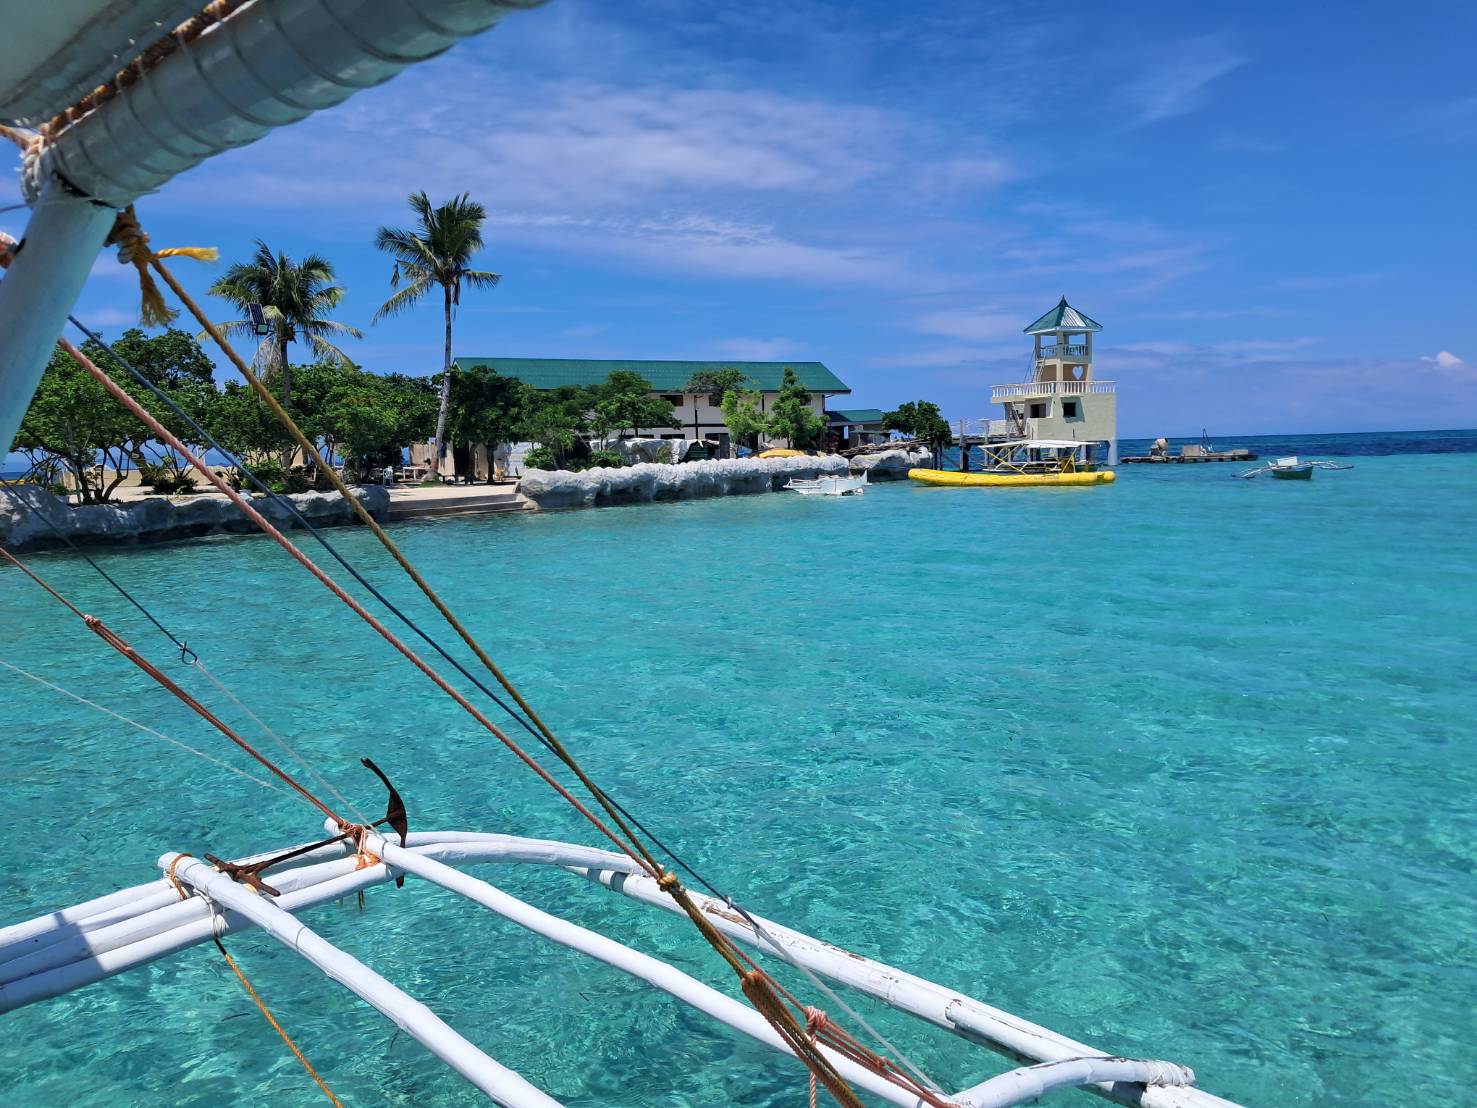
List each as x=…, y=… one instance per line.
x=295, y=298
x=436, y=252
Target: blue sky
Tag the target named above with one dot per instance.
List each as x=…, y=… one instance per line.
x=1268, y=206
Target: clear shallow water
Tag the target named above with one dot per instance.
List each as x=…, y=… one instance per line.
x=1182, y=767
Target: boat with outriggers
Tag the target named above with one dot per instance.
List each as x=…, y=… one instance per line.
x=1293, y=468
x=1023, y=463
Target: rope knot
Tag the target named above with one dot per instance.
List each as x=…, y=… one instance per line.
x=815, y=1019
x=668, y=881
x=133, y=249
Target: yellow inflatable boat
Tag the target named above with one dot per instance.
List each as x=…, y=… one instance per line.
x=987, y=480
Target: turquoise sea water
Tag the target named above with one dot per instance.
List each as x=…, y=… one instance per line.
x=1182, y=767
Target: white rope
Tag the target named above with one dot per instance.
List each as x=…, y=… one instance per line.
x=143, y=727
x=280, y=741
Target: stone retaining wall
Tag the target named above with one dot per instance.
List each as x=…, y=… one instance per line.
x=694, y=480
x=160, y=518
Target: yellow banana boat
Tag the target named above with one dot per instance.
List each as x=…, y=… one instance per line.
x=989, y=480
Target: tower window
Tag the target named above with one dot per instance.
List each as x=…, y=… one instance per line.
x=1038, y=411
x=1071, y=409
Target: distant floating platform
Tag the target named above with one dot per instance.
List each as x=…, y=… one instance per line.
x=1179, y=459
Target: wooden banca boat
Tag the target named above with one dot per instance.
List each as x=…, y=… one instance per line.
x=1025, y=462
x=1293, y=468
x=829, y=486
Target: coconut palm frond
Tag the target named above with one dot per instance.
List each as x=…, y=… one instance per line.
x=477, y=279
x=411, y=295
x=333, y=327
x=295, y=297
x=325, y=349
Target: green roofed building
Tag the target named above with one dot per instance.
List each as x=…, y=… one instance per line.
x=698, y=414
x=857, y=426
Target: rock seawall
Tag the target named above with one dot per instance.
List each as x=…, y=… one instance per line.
x=890, y=465
x=24, y=510
x=640, y=484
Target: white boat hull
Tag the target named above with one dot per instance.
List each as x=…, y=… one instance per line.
x=829, y=486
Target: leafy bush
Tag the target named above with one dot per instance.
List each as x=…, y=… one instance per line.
x=604, y=459
x=268, y=471
x=165, y=480
x=540, y=457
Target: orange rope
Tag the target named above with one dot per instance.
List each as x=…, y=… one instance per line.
x=118, y=643
x=292, y=1046
x=166, y=436
x=277, y=1027
x=774, y=1011
x=763, y=991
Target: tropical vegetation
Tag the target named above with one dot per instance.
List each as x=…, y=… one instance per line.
x=792, y=418
x=921, y=421
x=295, y=300
x=436, y=254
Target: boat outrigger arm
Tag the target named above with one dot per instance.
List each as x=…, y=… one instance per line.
x=69, y=949
x=261, y=65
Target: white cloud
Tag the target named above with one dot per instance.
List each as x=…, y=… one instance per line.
x=981, y=324
x=1444, y=359
x=1178, y=82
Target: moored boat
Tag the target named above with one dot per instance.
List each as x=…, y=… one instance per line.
x=829, y=486
x=1293, y=468
x=1022, y=463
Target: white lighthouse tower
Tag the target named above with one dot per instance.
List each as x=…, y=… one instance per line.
x=1061, y=400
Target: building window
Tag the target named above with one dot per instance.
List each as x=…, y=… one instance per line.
x=673, y=399
x=1038, y=411
x=1071, y=408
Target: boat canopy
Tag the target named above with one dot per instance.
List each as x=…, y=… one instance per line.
x=1041, y=444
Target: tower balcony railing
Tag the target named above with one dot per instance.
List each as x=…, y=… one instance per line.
x=1063, y=350
x=1028, y=389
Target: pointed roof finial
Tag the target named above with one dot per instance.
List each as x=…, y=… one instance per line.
x=1063, y=317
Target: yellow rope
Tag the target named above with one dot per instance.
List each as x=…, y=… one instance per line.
x=756, y=985
x=277, y=1027
x=133, y=249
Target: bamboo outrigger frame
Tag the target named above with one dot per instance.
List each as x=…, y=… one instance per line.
x=78, y=946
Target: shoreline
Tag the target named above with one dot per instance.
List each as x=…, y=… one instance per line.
x=31, y=516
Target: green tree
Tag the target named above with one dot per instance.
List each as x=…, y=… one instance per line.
x=554, y=419
x=624, y=401
x=742, y=417
x=486, y=407
x=73, y=420
x=247, y=428
x=716, y=383
x=371, y=418
x=296, y=298
x=922, y=422
x=792, y=418
x=436, y=253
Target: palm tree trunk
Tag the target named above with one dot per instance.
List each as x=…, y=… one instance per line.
x=291, y=451
x=286, y=373
x=445, y=408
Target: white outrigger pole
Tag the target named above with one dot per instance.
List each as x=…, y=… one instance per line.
x=67, y=950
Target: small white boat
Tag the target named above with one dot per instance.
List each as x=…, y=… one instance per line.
x=1293, y=468
x=829, y=486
